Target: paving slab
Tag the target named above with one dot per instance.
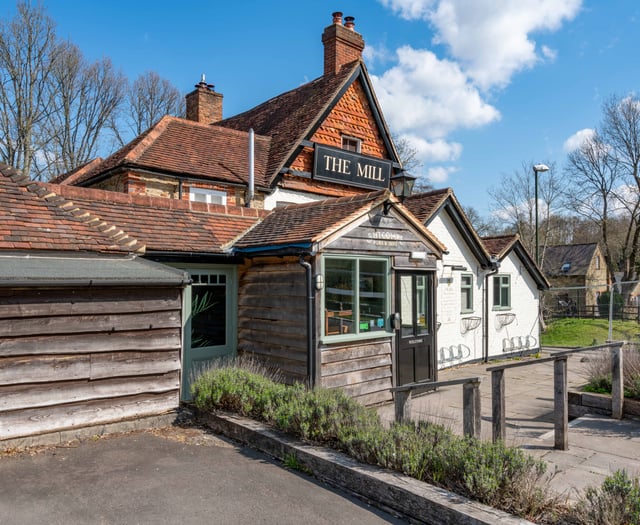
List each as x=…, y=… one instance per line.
x=598, y=445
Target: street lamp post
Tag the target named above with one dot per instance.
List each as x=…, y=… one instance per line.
x=538, y=168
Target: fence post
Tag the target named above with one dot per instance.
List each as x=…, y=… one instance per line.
x=617, y=382
x=560, y=403
x=497, y=405
x=402, y=399
x=471, y=409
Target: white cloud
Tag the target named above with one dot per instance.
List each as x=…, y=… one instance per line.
x=428, y=97
x=549, y=54
x=490, y=38
x=577, y=139
x=437, y=150
x=440, y=174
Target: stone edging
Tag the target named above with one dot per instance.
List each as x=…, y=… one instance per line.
x=412, y=498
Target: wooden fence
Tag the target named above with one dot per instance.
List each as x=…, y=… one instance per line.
x=471, y=411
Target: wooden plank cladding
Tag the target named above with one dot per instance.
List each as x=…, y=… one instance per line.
x=363, y=370
x=81, y=357
x=272, y=315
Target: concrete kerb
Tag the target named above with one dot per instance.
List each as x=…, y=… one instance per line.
x=412, y=498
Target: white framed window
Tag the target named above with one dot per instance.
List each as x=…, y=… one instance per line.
x=356, y=298
x=502, y=292
x=208, y=196
x=351, y=144
x=466, y=292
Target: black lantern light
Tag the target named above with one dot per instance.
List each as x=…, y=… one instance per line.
x=402, y=185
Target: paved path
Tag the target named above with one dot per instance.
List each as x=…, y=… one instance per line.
x=597, y=445
x=172, y=476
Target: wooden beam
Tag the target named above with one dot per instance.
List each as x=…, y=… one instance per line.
x=560, y=404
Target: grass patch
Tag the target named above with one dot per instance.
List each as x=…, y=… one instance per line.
x=575, y=332
x=503, y=477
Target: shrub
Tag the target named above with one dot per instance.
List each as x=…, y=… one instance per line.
x=598, y=371
x=603, y=304
x=491, y=473
x=616, y=501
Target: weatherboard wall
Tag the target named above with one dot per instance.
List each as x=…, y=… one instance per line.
x=73, y=358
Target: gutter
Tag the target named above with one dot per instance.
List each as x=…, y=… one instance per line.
x=311, y=354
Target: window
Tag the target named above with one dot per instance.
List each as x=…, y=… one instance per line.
x=502, y=291
x=597, y=262
x=208, y=196
x=208, y=308
x=351, y=144
x=466, y=292
x=356, y=295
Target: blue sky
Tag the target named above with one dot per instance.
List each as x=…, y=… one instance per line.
x=478, y=86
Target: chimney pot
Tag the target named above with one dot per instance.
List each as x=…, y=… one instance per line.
x=342, y=44
x=204, y=104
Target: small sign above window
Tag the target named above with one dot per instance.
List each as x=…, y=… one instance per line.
x=344, y=167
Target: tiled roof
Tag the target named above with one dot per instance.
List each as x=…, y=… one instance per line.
x=184, y=147
x=166, y=225
x=307, y=223
x=424, y=205
x=500, y=244
x=291, y=116
x=32, y=217
x=304, y=224
x=579, y=257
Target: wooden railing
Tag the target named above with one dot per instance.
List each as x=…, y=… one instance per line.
x=560, y=391
x=470, y=401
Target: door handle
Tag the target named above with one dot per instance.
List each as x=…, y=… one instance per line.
x=396, y=321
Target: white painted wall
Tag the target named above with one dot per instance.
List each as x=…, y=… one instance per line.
x=455, y=344
x=291, y=197
x=524, y=331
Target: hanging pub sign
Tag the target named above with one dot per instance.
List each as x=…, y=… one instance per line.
x=353, y=169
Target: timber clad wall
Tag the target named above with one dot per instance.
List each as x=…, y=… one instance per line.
x=362, y=370
x=272, y=315
x=82, y=357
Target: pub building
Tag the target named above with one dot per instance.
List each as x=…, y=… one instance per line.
x=304, y=248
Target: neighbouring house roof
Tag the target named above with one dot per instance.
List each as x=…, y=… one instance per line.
x=184, y=148
x=32, y=217
x=568, y=259
x=166, y=225
x=426, y=206
x=303, y=225
x=500, y=246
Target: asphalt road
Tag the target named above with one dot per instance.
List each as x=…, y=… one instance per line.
x=168, y=476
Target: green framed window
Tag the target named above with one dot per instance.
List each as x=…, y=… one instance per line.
x=501, y=292
x=466, y=292
x=356, y=296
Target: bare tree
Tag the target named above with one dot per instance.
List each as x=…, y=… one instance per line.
x=27, y=52
x=594, y=173
x=621, y=132
x=149, y=98
x=83, y=97
x=514, y=202
x=408, y=155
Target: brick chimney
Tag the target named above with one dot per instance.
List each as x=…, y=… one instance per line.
x=341, y=44
x=204, y=104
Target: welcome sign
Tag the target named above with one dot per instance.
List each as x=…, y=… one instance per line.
x=353, y=169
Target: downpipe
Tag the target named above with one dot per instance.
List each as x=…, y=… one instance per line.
x=311, y=361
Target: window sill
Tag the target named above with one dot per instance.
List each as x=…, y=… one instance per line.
x=347, y=338
x=501, y=308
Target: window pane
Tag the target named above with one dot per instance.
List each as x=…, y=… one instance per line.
x=466, y=293
x=339, y=296
x=373, y=289
x=406, y=306
x=422, y=293
x=208, y=316
x=496, y=291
